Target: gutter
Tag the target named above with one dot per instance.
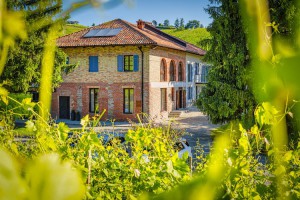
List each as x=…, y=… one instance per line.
x=142, y=85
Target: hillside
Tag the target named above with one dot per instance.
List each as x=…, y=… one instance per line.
x=193, y=36
x=71, y=28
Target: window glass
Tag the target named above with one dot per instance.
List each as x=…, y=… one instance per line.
x=93, y=93
x=162, y=71
x=180, y=72
x=190, y=78
x=128, y=100
x=128, y=63
x=172, y=71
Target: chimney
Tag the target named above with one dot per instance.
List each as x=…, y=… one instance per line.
x=140, y=24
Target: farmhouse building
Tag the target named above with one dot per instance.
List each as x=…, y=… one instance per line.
x=128, y=69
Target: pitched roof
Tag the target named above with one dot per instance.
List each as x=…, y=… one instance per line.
x=130, y=34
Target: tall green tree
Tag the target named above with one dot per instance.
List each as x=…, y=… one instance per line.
x=176, y=24
x=154, y=22
x=181, y=23
x=227, y=95
x=166, y=23
x=24, y=61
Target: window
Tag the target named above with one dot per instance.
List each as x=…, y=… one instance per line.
x=190, y=73
x=163, y=100
x=128, y=100
x=190, y=93
x=172, y=71
x=67, y=60
x=93, y=99
x=128, y=63
x=204, y=73
x=180, y=72
x=172, y=94
x=163, y=73
x=93, y=64
x=197, y=72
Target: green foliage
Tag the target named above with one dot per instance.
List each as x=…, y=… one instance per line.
x=228, y=95
x=192, y=24
x=176, y=23
x=235, y=169
x=15, y=108
x=44, y=179
x=111, y=170
x=23, y=65
x=54, y=164
x=193, y=36
x=181, y=23
x=166, y=23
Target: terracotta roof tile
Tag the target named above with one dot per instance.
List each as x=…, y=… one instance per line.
x=129, y=35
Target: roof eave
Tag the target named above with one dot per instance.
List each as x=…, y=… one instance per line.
x=112, y=45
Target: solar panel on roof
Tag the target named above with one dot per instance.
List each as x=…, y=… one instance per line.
x=103, y=32
x=91, y=33
x=114, y=31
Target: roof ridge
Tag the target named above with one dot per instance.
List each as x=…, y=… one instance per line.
x=136, y=29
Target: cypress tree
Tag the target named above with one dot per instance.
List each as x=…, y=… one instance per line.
x=227, y=95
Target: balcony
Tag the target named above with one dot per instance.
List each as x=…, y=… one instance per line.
x=201, y=78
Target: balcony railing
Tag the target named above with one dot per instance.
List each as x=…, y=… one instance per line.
x=201, y=78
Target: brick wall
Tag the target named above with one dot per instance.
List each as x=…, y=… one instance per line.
x=111, y=82
x=155, y=58
x=108, y=80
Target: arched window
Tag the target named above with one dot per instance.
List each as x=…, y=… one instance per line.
x=163, y=70
x=180, y=72
x=172, y=71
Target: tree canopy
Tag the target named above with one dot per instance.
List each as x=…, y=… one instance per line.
x=176, y=24
x=227, y=96
x=192, y=24
x=24, y=61
x=154, y=22
x=166, y=23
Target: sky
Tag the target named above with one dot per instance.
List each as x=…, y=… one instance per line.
x=147, y=10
